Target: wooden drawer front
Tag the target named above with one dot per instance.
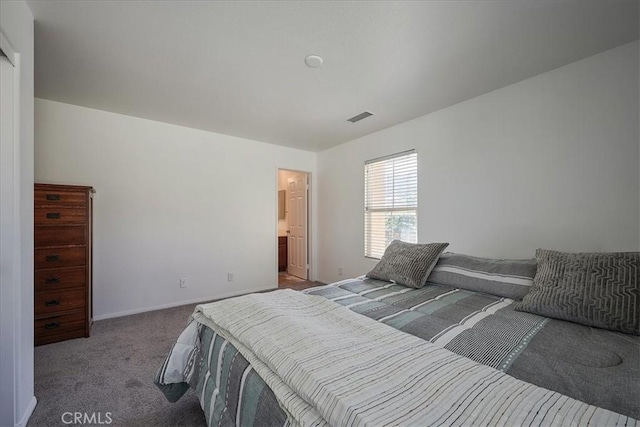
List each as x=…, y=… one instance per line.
x=60, y=328
x=282, y=253
x=64, y=235
x=50, y=280
x=56, y=215
x=52, y=302
x=60, y=257
x=59, y=198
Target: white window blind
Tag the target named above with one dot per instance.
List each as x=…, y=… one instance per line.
x=390, y=201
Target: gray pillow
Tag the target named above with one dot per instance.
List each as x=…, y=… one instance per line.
x=594, y=289
x=407, y=264
x=509, y=278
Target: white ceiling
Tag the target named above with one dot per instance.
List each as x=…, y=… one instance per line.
x=238, y=68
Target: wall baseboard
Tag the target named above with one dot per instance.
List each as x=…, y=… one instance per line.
x=27, y=414
x=179, y=303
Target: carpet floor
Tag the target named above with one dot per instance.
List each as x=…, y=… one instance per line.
x=112, y=372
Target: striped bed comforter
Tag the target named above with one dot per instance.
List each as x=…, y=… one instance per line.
x=235, y=387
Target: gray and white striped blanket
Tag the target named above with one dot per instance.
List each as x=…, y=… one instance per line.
x=329, y=365
x=592, y=365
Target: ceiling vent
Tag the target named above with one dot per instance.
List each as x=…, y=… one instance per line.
x=360, y=116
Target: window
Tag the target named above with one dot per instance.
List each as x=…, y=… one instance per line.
x=390, y=201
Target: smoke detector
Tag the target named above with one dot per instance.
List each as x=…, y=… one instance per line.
x=313, y=61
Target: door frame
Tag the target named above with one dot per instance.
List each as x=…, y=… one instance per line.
x=11, y=306
x=309, y=223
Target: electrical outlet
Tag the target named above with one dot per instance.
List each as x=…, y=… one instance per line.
x=339, y=271
x=183, y=282
x=229, y=277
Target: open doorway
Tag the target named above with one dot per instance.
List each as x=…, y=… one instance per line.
x=293, y=227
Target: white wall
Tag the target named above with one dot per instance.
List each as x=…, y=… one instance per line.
x=16, y=23
x=551, y=162
x=170, y=202
x=283, y=184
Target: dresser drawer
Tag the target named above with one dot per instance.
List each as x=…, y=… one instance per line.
x=50, y=280
x=59, y=215
x=63, y=235
x=60, y=257
x=58, y=328
x=52, y=302
x=59, y=198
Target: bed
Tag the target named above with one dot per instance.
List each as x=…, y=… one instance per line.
x=372, y=352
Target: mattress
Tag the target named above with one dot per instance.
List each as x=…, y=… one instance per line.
x=594, y=366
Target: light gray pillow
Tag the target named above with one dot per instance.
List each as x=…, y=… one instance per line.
x=594, y=289
x=509, y=278
x=407, y=264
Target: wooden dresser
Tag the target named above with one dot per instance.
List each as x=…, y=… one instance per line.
x=282, y=253
x=62, y=261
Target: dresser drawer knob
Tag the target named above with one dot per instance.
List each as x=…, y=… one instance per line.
x=52, y=303
x=50, y=280
x=53, y=258
x=53, y=197
x=53, y=215
x=52, y=325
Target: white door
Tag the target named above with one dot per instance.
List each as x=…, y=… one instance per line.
x=297, y=226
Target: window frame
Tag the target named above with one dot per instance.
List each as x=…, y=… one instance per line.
x=367, y=243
